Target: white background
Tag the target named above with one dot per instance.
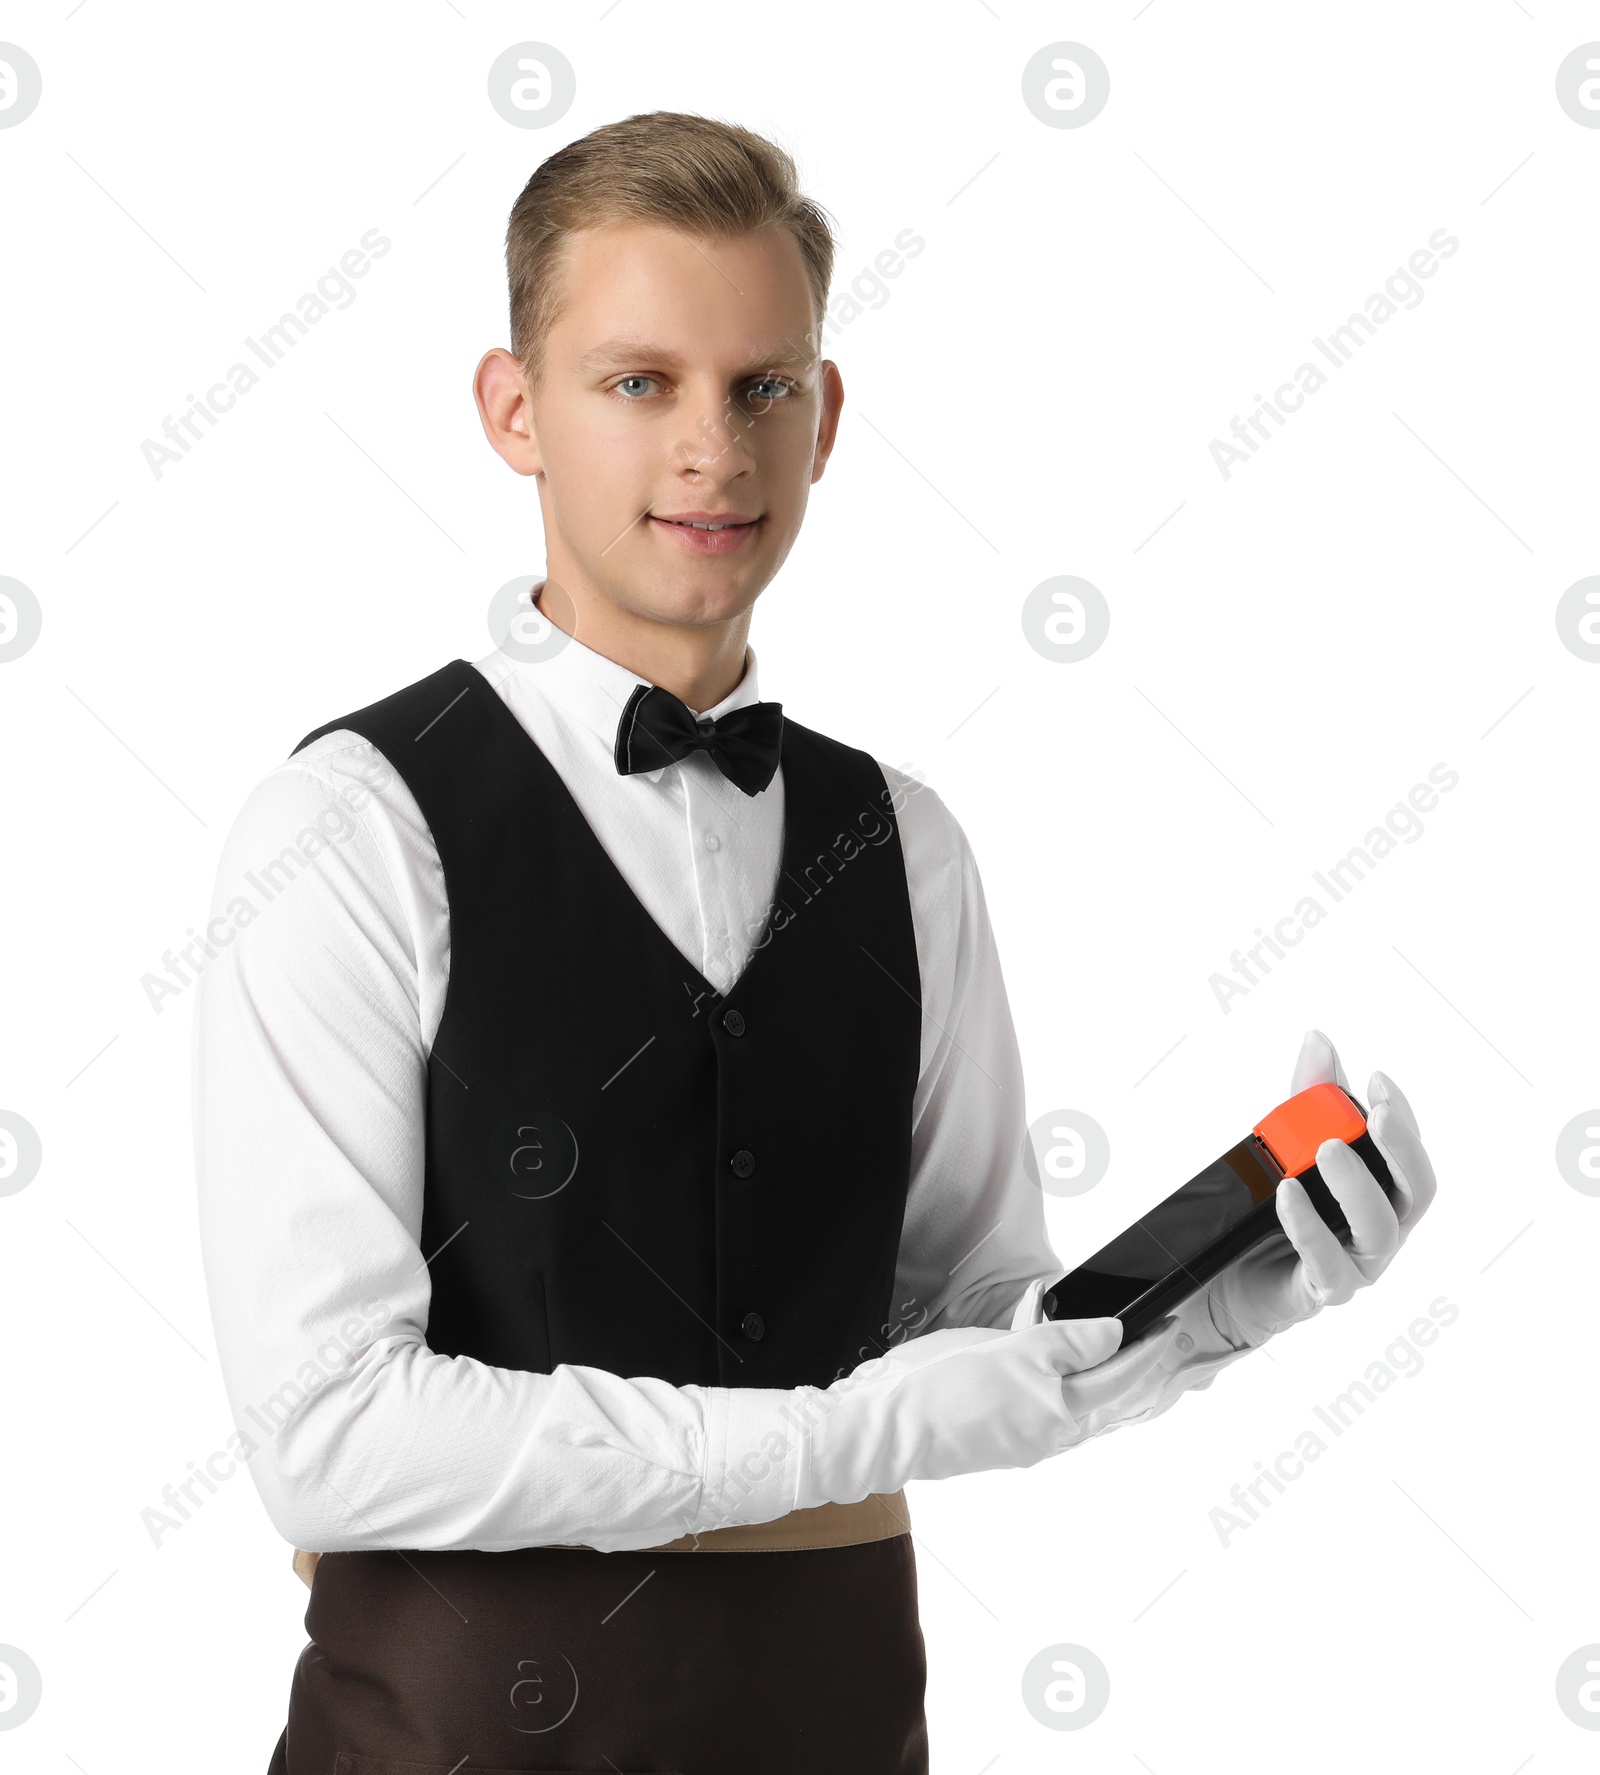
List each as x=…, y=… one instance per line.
x=1288, y=655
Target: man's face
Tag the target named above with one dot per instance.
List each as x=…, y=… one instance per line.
x=680, y=416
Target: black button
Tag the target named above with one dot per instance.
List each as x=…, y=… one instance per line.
x=733, y=1022
x=752, y=1327
x=743, y=1162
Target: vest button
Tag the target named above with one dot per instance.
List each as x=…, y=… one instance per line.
x=733, y=1022
x=743, y=1162
x=752, y=1327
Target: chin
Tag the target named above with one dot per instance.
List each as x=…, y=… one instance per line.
x=695, y=595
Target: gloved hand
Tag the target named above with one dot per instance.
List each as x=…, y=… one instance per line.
x=964, y=1400
x=1297, y=1272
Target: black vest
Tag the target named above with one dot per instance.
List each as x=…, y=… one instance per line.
x=626, y=1168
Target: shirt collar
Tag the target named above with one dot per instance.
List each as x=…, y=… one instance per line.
x=594, y=690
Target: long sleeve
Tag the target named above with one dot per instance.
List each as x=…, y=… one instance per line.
x=974, y=1234
x=309, y=1103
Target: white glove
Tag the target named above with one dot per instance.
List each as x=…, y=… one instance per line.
x=1295, y=1273
x=964, y=1400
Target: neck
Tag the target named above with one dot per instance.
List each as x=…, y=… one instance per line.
x=700, y=663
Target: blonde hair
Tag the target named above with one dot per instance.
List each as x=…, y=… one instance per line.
x=695, y=174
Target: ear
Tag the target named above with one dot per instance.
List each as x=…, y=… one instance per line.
x=506, y=409
x=828, y=428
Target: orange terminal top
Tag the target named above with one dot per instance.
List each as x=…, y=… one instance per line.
x=1295, y=1129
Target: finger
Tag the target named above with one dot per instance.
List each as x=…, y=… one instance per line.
x=1112, y=1380
x=1267, y=1261
x=1073, y=1344
x=1326, y=1274
x=1318, y=1064
x=1382, y=1089
x=1374, y=1225
x=1029, y=1311
x=1396, y=1137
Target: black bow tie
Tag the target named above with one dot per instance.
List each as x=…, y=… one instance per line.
x=657, y=729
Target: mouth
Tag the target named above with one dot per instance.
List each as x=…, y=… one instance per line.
x=707, y=533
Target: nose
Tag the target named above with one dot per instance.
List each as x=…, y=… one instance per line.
x=713, y=445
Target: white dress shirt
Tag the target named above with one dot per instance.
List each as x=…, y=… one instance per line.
x=312, y=1030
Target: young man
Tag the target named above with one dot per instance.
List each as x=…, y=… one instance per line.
x=609, y=1121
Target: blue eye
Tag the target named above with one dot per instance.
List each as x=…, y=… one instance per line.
x=769, y=388
x=631, y=386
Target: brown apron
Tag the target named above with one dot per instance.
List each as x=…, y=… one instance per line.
x=788, y=1648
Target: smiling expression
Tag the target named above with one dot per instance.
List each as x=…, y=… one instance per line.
x=680, y=417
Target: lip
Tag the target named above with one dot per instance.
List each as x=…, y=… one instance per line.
x=737, y=530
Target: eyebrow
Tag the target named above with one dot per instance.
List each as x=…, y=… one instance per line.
x=612, y=353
